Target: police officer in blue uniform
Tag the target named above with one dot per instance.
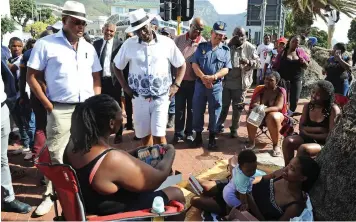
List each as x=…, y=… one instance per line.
x=211, y=62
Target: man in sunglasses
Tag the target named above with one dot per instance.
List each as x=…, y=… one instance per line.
x=187, y=44
x=149, y=56
x=211, y=62
x=71, y=69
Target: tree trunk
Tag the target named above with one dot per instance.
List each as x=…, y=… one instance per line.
x=334, y=194
x=303, y=22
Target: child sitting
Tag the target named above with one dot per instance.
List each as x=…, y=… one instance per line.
x=241, y=181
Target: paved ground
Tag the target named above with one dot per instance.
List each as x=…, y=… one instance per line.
x=29, y=190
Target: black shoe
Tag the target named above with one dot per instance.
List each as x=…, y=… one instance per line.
x=233, y=133
x=221, y=128
x=118, y=139
x=170, y=123
x=177, y=139
x=189, y=138
x=198, y=141
x=212, y=142
x=16, y=207
x=129, y=126
x=136, y=138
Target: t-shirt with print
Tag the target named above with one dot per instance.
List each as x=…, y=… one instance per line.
x=263, y=50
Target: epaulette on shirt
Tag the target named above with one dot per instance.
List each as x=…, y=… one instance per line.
x=202, y=46
x=226, y=47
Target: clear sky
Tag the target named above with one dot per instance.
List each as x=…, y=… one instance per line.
x=239, y=6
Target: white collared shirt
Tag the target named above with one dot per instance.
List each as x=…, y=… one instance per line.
x=68, y=73
x=107, y=62
x=149, y=64
x=332, y=17
x=3, y=95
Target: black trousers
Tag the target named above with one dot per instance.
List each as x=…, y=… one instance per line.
x=113, y=90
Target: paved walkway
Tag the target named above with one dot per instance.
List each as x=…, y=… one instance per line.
x=187, y=160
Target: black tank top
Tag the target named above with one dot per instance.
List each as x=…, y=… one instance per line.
x=263, y=194
x=290, y=70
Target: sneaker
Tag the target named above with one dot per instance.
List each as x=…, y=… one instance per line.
x=177, y=139
x=171, y=119
x=28, y=156
x=21, y=150
x=189, y=138
x=16, y=207
x=44, y=207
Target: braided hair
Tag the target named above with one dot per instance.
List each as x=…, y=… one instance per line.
x=90, y=121
x=309, y=169
x=327, y=88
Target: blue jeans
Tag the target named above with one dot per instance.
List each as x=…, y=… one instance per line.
x=172, y=106
x=341, y=86
x=6, y=182
x=184, y=103
x=214, y=98
x=24, y=118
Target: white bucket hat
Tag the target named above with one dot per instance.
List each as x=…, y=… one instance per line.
x=58, y=25
x=138, y=19
x=75, y=9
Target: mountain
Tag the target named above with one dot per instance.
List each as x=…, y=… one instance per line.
x=203, y=9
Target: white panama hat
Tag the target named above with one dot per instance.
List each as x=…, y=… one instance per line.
x=75, y=9
x=138, y=19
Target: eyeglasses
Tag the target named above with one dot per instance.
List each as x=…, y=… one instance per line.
x=78, y=22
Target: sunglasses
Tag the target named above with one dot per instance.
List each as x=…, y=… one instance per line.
x=199, y=29
x=78, y=22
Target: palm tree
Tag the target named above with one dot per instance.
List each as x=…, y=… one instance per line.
x=305, y=11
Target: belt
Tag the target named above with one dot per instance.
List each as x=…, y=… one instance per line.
x=150, y=97
x=2, y=104
x=60, y=103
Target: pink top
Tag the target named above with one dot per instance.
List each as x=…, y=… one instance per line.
x=188, y=48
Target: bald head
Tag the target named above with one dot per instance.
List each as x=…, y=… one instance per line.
x=238, y=36
x=196, y=27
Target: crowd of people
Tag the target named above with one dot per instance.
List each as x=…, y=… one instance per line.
x=66, y=93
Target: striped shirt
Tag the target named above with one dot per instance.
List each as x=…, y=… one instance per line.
x=188, y=47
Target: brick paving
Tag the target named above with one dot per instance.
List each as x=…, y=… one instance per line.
x=187, y=160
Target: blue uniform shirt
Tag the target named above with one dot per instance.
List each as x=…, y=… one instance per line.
x=212, y=61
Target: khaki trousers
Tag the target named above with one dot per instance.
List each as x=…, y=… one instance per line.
x=58, y=133
x=331, y=30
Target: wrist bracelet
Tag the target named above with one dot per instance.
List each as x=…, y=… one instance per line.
x=176, y=84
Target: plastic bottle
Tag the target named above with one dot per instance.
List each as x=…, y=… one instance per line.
x=158, y=205
x=257, y=115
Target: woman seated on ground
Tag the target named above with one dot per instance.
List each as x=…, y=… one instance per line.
x=277, y=196
x=338, y=69
x=318, y=119
x=273, y=97
x=113, y=180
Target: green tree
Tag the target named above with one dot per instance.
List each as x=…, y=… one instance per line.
x=290, y=28
x=352, y=31
x=22, y=11
x=305, y=11
x=36, y=28
x=207, y=32
x=321, y=35
x=7, y=25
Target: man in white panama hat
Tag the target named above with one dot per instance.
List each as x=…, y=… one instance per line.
x=71, y=69
x=150, y=57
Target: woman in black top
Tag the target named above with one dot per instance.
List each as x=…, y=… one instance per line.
x=291, y=63
x=338, y=69
x=317, y=120
x=277, y=196
x=112, y=180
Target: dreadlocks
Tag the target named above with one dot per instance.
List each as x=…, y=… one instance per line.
x=90, y=120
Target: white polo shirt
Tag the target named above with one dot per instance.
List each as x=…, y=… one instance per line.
x=149, y=64
x=68, y=73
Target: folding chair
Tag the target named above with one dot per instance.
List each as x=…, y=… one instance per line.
x=66, y=185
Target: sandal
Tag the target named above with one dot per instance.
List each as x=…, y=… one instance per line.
x=277, y=153
x=252, y=148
